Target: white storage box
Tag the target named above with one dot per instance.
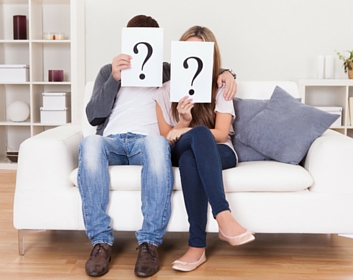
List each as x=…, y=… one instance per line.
x=14, y=73
x=55, y=116
x=333, y=110
x=56, y=100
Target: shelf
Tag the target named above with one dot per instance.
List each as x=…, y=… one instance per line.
x=14, y=2
x=10, y=123
x=13, y=83
x=14, y=41
x=7, y=164
x=41, y=55
x=51, y=41
x=52, y=83
x=326, y=82
x=332, y=93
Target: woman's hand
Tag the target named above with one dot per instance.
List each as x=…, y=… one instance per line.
x=174, y=135
x=184, y=108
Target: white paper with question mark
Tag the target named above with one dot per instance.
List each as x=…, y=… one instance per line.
x=145, y=45
x=191, y=71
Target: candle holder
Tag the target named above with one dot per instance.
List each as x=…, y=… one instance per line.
x=19, y=27
x=53, y=36
x=56, y=75
x=59, y=36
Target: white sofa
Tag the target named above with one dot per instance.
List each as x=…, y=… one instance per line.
x=265, y=196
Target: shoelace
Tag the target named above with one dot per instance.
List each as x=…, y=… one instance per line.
x=96, y=252
x=145, y=250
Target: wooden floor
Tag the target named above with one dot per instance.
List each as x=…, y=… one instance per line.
x=62, y=254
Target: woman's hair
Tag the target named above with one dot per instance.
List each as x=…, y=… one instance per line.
x=142, y=21
x=203, y=113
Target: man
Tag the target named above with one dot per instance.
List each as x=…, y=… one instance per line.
x=127, y=134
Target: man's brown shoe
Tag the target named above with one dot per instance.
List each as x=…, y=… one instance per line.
x=147, y=262
x=98, y=262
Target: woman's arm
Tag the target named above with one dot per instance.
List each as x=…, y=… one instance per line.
x=171, y=133
x=222, y=127
x=164, y=127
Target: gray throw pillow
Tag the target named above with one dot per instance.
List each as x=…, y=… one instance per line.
x=245, y=110
x=286, y=128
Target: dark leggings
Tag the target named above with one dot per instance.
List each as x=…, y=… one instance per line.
x=201, y=162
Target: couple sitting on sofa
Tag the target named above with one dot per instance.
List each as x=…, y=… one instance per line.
x=139, y=126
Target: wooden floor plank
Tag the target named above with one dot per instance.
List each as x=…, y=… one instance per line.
x=62, y=254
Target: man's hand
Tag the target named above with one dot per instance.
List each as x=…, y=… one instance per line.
x=120, y=62
x=231, y=85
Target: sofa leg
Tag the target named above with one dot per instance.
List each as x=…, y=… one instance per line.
x=21, y=237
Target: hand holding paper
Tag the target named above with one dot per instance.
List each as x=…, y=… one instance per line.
x=145, y=46
x=191, y=71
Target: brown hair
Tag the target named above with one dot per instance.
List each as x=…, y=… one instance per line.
x=142, y=21
x=203, y=113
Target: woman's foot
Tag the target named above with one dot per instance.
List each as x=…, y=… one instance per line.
x=231, y=231
x=241, y=239
x=192, y=259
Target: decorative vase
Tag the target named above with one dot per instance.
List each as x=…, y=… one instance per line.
x=55, y=75
x=19, y=27
x=350, y=72
x=18, y=111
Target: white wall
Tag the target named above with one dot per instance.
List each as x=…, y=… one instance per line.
x=259, y=39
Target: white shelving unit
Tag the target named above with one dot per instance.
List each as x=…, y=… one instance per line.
x=331, y=93
x=43, y=16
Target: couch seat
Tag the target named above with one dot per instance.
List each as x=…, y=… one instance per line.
x=255, y=176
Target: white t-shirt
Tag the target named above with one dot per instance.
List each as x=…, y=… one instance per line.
x=134, y=111
x=162, y=97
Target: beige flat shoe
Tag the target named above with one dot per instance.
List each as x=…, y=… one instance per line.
x=241, y=239
x=185, y=266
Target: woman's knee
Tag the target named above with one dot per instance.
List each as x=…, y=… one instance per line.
x=201, y=131
x=187, y=159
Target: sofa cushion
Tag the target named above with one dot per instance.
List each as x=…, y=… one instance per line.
x=259, y=176
x=286, y=128
x=266, y=176
x=245, y=110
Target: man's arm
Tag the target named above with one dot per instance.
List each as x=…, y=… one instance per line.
x=106, y=87
x=228, y=77
x=103, y=96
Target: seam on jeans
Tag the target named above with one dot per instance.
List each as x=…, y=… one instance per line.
x=102, y=241
x=149, y=242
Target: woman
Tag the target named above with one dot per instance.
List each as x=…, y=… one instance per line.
x=201, y=147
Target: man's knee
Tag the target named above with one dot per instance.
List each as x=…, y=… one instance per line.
x=156, y=144
x=92, y=142
x=91, y=150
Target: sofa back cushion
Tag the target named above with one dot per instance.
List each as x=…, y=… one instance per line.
x=264, y=89
x=246, y=89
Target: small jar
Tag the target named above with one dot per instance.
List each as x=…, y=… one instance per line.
x=48, y=36
x=59, y=36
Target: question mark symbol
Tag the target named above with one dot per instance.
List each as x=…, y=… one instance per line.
x=199, y=69
x=148, y=56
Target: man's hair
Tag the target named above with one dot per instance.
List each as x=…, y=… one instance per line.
x=142, y=21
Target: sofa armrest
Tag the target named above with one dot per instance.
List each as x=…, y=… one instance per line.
x=330, y=162
x=47, y=159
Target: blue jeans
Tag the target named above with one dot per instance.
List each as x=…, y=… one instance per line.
x=201, y=161
x=96, y=153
